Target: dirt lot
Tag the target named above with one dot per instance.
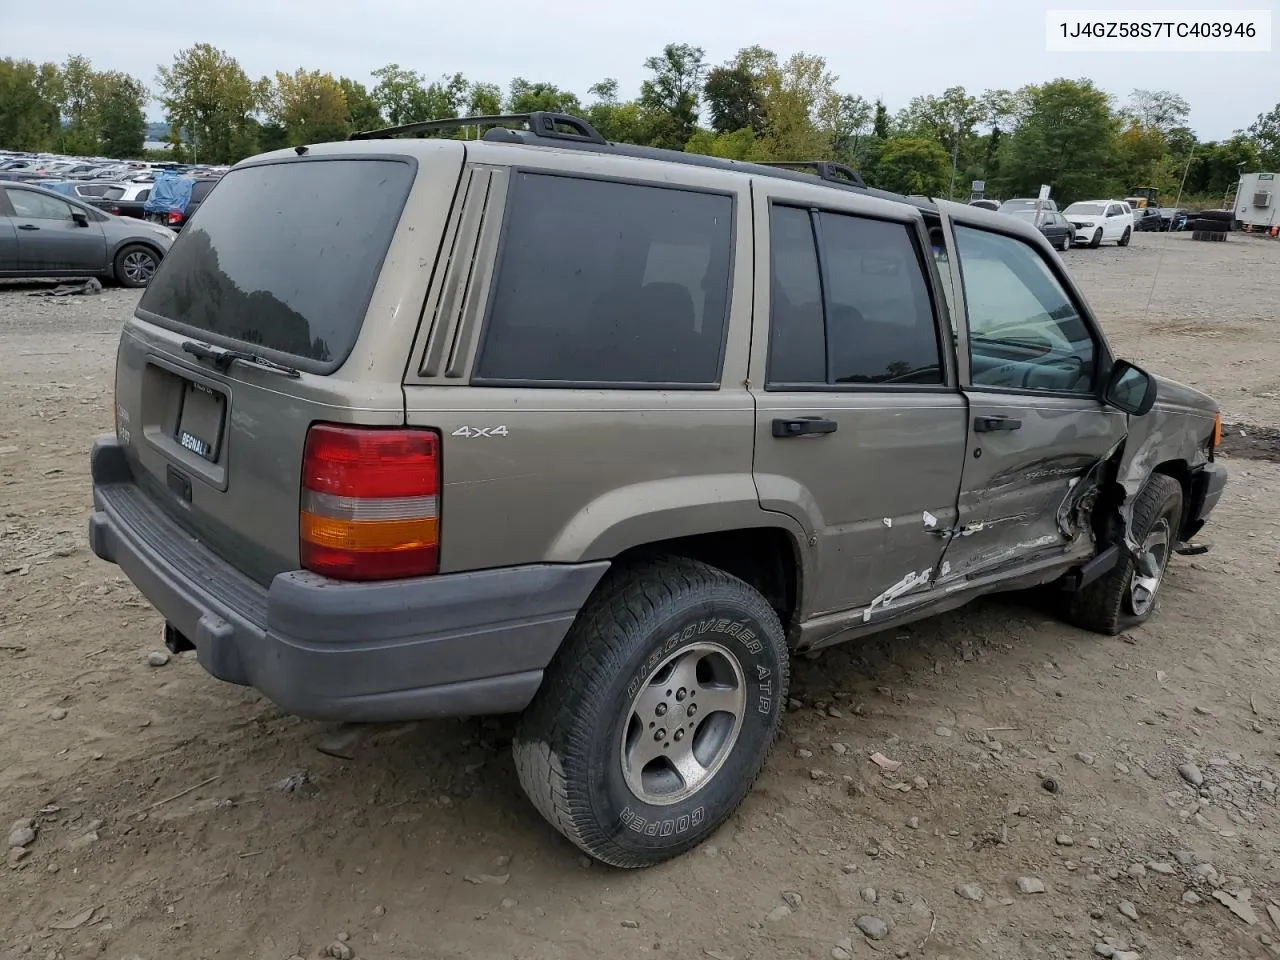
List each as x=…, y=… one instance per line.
x=178, y=817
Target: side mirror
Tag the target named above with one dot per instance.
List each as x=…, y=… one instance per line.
x=1130, y=388
x=80, y=218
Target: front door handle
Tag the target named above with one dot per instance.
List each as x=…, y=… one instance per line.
x=803, y=427
x=988, y=424
x=28, y=226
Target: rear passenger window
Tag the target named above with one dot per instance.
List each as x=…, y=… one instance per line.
x=867, y=319
x=609, y=283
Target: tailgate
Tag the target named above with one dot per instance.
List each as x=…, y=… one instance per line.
x=286, y=260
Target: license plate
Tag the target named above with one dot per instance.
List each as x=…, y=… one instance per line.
x=200, y=420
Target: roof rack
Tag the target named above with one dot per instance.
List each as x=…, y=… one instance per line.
x=541, y=123
x=827, y=170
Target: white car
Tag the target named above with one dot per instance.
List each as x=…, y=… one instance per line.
x=1096, y=221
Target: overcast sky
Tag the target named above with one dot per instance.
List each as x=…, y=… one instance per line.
x=893, y=50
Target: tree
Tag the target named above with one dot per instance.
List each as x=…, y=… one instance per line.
x=616, y=121
x=310, y=105
x=401, y=94
x=119, y=103
x=484, y=100
x=362, y=109
x=733, y=145
x=880, y=122
x=1064, y=139
x=793, y=95
x=526, y=97
x=1265, y=132
x=844, y=118
x=79, y=134
x=671, y=95
x=207, y=94
x=1157, y=109
x=913, y=165
x=29, y=98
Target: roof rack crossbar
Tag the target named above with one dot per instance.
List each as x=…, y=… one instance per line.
x=541, y=123
x=825, y=170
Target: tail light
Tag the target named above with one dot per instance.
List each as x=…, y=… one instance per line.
x=175, y=218
x=370, y=502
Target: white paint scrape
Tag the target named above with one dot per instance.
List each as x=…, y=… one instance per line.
x=930, y=520
x=909, y=582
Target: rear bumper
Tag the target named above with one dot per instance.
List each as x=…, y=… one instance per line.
x=453, y=645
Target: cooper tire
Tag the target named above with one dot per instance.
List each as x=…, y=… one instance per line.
x=609, y=695
x=1118, y=599
x=135, y=265
x=1096, y=240
x=1124, y=238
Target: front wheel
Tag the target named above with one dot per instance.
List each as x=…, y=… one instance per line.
x=657, y=714
x=1124, y=238
x=135, y=265
x=1097, y=238
x=1126, y=595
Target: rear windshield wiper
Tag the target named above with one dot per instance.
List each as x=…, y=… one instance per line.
x=222, y=359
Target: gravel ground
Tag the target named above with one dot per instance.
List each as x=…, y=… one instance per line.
x=154, y=812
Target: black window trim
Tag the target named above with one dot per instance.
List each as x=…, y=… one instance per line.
x=486, y=317
x=937, y=306
x=320, y=367
x=1103, y=358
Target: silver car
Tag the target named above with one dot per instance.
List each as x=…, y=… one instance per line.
x=45, y=234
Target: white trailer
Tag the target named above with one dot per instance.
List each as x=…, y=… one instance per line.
x=1258, y=200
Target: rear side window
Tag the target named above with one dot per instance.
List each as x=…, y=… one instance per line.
x=609, y=283
x=284, y=257
x=861, y=315
x=200, y=189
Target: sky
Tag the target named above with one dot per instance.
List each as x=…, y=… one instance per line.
x=890, y=50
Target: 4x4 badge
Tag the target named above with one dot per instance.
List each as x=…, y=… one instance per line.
x=474, y=433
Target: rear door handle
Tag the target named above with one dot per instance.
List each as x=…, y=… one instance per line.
x=988, y=424
x=28, y=226
x=803, y=427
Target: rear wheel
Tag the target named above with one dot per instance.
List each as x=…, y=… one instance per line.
x=135, y=265
x=1124, y=238
x=1096, y=240
x=1126, y=595
x=657, y=714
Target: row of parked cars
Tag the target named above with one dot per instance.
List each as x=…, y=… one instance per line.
x=1090, y=222
x=67, y=217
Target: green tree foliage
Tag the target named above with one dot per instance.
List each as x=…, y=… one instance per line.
x=1064, y=138
x=734, y=91
x=30, y=99
x=526, y=97
x=363, y=112
x=1265, y=132
x=913, y=165
x=1160, y=110
x=484, y=100
x=401, y=94
x=794, y=92
x=310, y=106
x=119, y=101
x=209, y=102
x=671, y=96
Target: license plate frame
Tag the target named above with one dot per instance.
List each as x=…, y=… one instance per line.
x=202, y=415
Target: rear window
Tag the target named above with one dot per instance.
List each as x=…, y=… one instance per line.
x=284, y=257
x=609, y=283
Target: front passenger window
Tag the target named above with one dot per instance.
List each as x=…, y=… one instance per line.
x=1024, y=331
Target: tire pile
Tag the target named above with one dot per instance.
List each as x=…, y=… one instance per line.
x=1211, y=225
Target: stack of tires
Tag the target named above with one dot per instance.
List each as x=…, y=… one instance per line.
x=1210, y=224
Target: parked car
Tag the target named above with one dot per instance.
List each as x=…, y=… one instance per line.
x=603, y=434
x=985, y=204
x=1027, y=203
x=1146, y=219
x=1055, y=227
x=45, y=234
x=128, y=199
x=175, y=198
x=1097, y=221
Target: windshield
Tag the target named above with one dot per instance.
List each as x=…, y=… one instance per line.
x=284, y=256
x=1011, y=205
x=1085, y=209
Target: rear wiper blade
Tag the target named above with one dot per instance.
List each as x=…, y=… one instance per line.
x=222, y=359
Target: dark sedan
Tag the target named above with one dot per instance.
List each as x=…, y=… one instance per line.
x=1147, y=219
x=1053, y=225
x=44, y=234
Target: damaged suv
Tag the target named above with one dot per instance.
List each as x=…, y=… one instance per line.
x=535, y=423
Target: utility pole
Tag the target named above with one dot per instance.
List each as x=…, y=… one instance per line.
x=955, y=155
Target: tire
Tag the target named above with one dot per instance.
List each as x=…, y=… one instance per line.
x=1124, y=238
x=573, y=741
x=1210, y=226
x=135, y=265
x=1115, y=601
x=1064, y=243
x=1223, y=216
x=1096, y=240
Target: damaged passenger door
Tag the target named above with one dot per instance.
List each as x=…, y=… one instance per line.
x=1038, y=431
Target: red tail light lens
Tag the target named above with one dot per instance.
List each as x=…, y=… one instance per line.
x=370, y=502
x=175, y=218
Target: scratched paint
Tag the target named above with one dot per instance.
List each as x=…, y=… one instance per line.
x=930, y=520
x=907, y=583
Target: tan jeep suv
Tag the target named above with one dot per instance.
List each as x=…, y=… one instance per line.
x=410, y=426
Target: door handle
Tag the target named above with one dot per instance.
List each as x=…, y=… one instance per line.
x=803, y=426
x=988, y=424
x=28, y=226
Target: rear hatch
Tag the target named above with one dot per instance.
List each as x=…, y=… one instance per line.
x=283, y=260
